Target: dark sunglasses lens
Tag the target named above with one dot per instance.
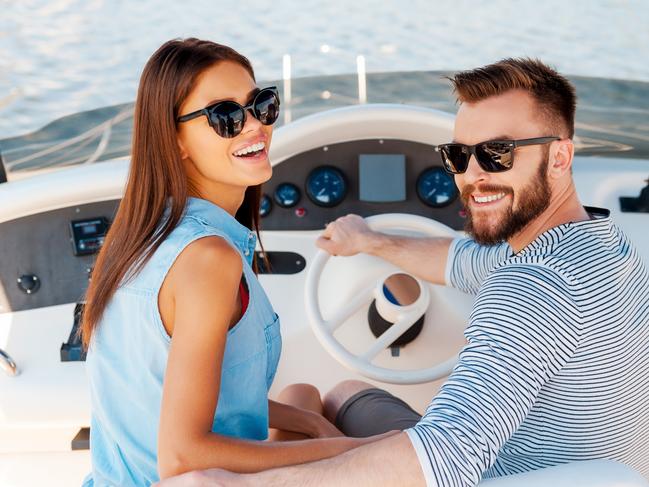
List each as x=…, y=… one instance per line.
x=495, y=156
x=227, y=119
x=266, y=107
x=455, y=158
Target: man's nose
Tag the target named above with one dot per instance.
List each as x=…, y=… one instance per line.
x=474, y=174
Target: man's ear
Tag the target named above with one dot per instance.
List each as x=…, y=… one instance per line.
x=561, y=155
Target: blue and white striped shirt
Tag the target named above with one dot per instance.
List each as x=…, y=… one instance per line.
x=556, y=368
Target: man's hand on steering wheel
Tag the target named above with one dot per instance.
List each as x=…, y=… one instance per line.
x=348, y=235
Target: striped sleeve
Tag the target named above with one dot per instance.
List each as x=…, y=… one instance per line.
x=523, y=329
x=469, y=263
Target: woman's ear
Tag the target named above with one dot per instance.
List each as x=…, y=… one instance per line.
x=181, y=148
x=561, y=158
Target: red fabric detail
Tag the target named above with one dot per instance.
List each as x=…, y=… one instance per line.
x=245, y=297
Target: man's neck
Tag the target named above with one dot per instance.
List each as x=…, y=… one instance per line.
x=565, y=207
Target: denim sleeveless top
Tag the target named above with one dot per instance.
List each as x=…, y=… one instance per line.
x=129, y=349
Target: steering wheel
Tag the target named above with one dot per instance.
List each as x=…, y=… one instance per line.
x=402, y=317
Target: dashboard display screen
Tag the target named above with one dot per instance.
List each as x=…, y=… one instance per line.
x=382, y=177
x=89, y=229
x=88, y=235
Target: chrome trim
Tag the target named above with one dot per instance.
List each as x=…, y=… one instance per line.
x=7, y=364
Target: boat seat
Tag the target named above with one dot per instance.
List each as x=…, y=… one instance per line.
x=591, y=473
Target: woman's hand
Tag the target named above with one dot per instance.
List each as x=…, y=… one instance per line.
x=306, y=422
x=323, y=428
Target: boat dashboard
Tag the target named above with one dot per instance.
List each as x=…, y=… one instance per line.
x=365, y=177
x=48, y=256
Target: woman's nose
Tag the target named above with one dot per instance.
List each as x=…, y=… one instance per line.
x=251, y=122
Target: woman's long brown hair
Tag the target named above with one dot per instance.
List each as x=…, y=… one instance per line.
x=156, y=178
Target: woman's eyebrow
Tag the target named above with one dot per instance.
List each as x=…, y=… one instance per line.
x=251, y=94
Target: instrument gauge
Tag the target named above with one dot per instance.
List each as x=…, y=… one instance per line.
x=326, y=186
x=436, y=188
x=265, y=205
x=287, y=195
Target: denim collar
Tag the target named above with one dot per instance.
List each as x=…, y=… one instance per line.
x=216, y=217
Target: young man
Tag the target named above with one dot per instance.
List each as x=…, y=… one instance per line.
x=556, y=366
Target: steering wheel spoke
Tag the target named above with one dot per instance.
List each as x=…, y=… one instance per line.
x=342, y=316
x=388, y=336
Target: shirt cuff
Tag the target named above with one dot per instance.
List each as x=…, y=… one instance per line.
x=450, y=260
x=423, y=457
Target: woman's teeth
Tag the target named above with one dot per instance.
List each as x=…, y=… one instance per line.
x=488, y=199
x=259, y=146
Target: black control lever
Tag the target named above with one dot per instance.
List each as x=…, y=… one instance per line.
x=636, y=205
x=72, y=350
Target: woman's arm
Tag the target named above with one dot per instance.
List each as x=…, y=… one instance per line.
x=198, y=303
x=290, y=418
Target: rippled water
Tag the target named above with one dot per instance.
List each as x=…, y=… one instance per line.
x=59, y=57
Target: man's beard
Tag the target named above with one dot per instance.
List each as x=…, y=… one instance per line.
x=533, y=200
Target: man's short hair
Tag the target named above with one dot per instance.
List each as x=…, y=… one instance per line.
x=553, y=93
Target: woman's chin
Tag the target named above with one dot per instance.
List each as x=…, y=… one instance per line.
x=257, y=173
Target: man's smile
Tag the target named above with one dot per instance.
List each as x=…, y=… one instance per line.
x=484, y=199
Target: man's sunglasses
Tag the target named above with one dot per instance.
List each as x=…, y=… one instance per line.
x=227, y=118
x=492, y=156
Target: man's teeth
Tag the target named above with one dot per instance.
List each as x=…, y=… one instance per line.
x=251, y=148
x=487, y=199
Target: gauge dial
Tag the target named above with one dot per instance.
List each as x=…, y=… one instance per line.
x=287, y=195
x=265, y=205
x=436, y=188
x=326, y=186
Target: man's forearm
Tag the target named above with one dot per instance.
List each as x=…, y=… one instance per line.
x=424, y=258
x=391, y=461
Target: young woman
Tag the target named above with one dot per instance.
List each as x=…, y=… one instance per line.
x=183, y=342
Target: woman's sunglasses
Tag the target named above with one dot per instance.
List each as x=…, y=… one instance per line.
x=492, y=156
x=227, y=118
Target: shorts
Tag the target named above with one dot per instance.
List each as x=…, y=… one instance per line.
x=374, y=411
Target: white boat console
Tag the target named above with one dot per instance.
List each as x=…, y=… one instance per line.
x=374, y=160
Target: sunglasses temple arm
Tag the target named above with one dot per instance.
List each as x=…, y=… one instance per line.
x=192, y=116
x=534, y=141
